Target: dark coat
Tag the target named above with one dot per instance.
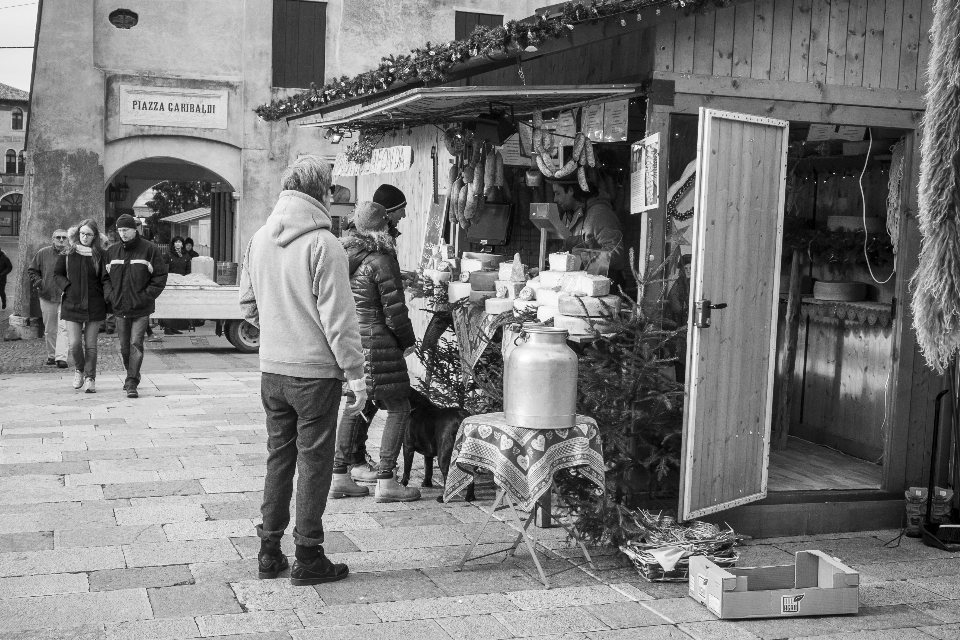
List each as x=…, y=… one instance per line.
x=5, y=267
x=41, y=274
x=385, y=328
x=178, y=264
x=135, y=276
x=81, y=278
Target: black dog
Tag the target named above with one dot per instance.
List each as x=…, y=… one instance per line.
x=431, y=433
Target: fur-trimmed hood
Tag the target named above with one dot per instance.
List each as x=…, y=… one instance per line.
x=359, y=245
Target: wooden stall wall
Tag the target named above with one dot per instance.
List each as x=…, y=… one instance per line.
x=417, y=184
x=855, y=43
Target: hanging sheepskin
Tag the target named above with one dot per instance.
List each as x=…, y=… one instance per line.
x=936, y=296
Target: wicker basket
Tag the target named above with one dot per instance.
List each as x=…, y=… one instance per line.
x=650, y=568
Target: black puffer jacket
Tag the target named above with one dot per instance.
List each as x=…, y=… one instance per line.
x=81, y=278
x=385, y=328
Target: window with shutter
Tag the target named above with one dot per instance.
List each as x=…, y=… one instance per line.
x=17, y=119
x=299, y=39
x=466, y=22
x=11, y=161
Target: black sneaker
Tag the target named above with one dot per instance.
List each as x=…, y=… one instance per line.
x=272, y=565
x=132, y=392
x=61, y=364
x=317, y=572
x=51, y=361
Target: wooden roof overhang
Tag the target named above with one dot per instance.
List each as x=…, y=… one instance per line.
x=431, y=105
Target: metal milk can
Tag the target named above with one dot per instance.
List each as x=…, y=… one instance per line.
x=540, y=380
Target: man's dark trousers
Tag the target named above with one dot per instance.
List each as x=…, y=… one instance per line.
x=130, y=333
x=301, y=436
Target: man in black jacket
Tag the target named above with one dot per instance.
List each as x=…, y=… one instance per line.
x=135, y=276
x=44, y=283
x=5, y=267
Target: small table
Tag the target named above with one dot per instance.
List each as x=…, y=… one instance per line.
x=523, y=463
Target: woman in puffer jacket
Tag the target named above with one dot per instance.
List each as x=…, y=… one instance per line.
x=79, y=274
x=387, y=337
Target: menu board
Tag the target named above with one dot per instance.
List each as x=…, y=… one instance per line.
x=566, y=129
x=593, y=122
x=433, y=234
x=512, y=153
x=615, y=121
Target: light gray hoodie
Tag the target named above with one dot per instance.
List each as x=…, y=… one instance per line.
x=295, y=287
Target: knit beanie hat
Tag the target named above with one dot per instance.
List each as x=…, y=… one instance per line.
x=369, y=217
x=389, y=197
x=126, y=221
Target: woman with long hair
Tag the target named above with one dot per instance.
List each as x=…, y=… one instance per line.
x=79, y=273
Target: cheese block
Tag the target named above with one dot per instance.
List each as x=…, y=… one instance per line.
x=489, y=260
x=509, y=272
x=526, y=305
x=586, y=284
x=458, y=291
x=564, y=262
x=483, y=280
x=605, y=306
x=551, y=279
x=549, y=297
x=580, y=326
x=480, y=296
x=508, y=289
x=544, y=313
x=438, y=276
x=496, y=306
x=527, y=293
x=469, y=265
x=534, y=283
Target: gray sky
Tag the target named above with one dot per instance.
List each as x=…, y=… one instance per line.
x=19, y=23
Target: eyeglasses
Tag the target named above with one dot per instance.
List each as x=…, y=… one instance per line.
x=59, y=237
x=86, y=235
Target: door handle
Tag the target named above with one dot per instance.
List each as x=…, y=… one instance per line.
x=703, y=309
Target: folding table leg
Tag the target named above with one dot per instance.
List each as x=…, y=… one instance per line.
x=532, y=547
x=476, y=539
x=573, y=534
x=524, y=526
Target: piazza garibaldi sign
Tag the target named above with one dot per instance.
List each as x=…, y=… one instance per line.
x=173, y=107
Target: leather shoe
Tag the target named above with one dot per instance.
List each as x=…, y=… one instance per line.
x=61, y=364
x=271, y=565
x=317, y=572
x=51, y=361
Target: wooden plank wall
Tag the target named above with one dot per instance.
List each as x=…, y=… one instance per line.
x=417, y=184
x=856, y=43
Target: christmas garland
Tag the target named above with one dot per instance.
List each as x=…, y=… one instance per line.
x=432, y=63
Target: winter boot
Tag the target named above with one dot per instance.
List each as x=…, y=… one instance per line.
x=365, y=473
x=343, y=486
x=389, y=490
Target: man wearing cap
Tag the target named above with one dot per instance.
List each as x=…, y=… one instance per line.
x=591, y=221
x=135, y=276
x=295, y=287
x=43, y=282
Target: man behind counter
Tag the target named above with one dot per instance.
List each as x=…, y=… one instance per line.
x=592, y=223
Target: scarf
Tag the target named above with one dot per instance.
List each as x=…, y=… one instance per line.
x=83, y=250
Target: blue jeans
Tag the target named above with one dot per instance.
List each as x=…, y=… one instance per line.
x=353, y=433
x=301, y=437
x=130, y=333
x=83, y=346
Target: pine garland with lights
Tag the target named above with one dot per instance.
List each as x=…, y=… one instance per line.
x=432, y=63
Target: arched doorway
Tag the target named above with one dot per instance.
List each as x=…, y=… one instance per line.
x=11, y=204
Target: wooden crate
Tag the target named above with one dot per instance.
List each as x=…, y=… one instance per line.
x=817, y=585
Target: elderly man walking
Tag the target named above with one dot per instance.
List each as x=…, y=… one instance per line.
x=295, y=287
x=43, y=281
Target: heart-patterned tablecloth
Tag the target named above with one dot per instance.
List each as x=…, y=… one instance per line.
x=523, y=461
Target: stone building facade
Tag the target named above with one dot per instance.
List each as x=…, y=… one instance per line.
x=129, y=97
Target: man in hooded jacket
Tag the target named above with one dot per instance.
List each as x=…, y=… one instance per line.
x=295, y=287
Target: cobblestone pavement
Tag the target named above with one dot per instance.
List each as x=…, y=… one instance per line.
x=135, y=519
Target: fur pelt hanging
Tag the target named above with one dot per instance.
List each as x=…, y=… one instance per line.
x=936, y=285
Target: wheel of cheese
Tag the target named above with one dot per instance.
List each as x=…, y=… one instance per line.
x=496, y=306
x=551, y=279
x=580, y=306
x=840, y=291
x=544, y=313
x=483, y=280
x=458, y=291
x=480, y=296
x=579, y=325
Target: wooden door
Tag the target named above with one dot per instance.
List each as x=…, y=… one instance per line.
x=738, y=227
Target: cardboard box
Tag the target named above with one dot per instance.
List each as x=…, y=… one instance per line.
x=817, y=585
